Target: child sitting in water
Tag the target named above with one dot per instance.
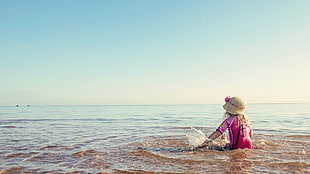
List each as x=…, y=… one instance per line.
x=240, y=130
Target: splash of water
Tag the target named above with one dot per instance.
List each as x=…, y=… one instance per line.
x=195, y=137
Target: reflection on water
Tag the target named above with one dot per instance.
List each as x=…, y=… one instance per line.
x=144, y=139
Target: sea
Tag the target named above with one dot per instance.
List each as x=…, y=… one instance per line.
x=149, y=139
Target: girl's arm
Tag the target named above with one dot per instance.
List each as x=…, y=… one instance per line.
x=213, y=136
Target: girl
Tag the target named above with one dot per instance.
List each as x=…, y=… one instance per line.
x=238, y=124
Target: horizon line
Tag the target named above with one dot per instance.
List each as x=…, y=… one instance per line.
x=28, y=105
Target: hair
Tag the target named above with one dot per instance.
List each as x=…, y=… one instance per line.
x=242, y=118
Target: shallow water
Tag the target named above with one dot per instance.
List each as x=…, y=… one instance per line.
x=148, y=139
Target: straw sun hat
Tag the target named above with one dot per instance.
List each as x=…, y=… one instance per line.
x=234, y=105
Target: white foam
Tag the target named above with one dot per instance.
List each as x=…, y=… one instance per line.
x=195, y=137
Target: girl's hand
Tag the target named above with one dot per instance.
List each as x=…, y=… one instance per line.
x=204, y=144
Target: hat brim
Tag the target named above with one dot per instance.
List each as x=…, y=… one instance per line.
x=231, y=109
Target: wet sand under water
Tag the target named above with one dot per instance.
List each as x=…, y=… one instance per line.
x=161, y=154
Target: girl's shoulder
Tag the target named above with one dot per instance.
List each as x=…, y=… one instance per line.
x=231, y=119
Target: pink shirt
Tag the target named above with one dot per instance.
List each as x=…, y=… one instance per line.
x=243, y=140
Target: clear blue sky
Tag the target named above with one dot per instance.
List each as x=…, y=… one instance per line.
x=153, y=51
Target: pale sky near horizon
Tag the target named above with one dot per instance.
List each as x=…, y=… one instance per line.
x=153, y=51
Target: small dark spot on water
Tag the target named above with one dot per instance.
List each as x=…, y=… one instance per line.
x=9, y=126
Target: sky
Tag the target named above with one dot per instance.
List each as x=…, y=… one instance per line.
x=116, y=52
